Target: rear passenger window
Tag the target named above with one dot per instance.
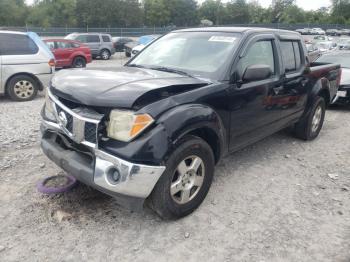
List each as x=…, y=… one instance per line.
x=106, y=38
x=17, y=44
x=291, y=55
x=93, y=39
x=82, y=38
x=63, y=45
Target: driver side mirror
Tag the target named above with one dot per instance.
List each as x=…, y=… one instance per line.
x=256, y=73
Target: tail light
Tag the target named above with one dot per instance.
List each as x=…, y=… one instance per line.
x=339, y=76
x=52, y=62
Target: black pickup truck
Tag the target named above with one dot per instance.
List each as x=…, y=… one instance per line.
x=155, y=129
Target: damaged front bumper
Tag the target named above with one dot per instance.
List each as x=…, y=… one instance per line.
x=130, y=183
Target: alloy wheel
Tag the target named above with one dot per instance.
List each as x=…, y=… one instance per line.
x=187, y=179
x=23, y=89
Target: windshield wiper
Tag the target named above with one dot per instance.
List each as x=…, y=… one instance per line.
x=171, y=70
x=136, y=65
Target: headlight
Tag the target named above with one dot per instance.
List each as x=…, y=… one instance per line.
x=126, y=125
x=49, y=110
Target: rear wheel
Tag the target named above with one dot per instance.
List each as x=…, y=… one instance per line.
x=79, y=62
x=105, y=54
x=309, y=127
x=22, y=88
x=186, y=180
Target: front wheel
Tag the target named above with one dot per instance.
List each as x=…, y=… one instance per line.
x=309, y=127
x=79, y=62
x=105, y=54
x=22, y=88
x=186, y=180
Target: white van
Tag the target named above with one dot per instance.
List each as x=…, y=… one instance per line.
x=26, y=65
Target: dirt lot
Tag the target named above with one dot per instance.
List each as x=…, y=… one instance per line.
x=281, y=199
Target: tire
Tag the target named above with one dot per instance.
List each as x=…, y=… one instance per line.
x=172, y=204
x=127, y=54
x=22, y=88
x=79, y=62
x=105, y=54
x=309, y=127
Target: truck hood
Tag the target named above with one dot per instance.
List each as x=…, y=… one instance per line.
x=127, y=87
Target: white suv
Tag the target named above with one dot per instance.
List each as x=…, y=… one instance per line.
x=26, y=65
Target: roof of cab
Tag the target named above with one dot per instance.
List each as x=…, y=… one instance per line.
x=13, y=32
x=237, y=30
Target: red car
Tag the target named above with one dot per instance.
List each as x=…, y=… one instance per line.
x=69, y=53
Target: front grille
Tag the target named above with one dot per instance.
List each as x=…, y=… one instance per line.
x=69, y=117
x=80, y=123
x=90, y=132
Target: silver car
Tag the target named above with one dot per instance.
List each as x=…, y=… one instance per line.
x=26, y=65
x=100, y=44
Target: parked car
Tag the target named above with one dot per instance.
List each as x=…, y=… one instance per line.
x=342, y=58
x=143, y=42
x=344, y=43
x=317, y=31
x=119, y=43
x=69, y=53
x=345, y=31
x=312, y=50
x=303, y=31
x=26, y=65
x=333, y=32
x=322, y=38
x=100, y=44
x=156, y=128
x=326, y=46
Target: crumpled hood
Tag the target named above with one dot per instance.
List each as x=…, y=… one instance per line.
x=126, y=87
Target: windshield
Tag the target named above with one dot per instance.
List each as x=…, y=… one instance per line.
x=197, y=53
x=342, y=59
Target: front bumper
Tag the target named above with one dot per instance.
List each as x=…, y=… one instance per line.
x=130, y=183
x=342, y=96
x=95, y=167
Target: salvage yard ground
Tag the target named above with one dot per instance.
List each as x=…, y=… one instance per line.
x=281, y=199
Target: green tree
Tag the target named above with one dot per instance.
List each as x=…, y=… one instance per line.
x=156, y=13
x=237, y=12
x=212, y=10
x=13, y=12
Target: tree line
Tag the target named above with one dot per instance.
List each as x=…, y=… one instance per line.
x=181, y=13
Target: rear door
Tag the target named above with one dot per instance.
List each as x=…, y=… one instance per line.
x=94, y=42
x=293, y=95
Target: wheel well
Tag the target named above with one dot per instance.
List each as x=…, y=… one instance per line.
x=211, y=138
x=23, y=74
x=325, y=94
x=79, y=56
x=106, y=50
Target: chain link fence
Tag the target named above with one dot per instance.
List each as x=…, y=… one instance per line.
x=135, y=32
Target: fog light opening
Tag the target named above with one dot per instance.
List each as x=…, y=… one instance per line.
x=113, y=175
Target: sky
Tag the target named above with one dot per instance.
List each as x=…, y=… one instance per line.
x=305, y=4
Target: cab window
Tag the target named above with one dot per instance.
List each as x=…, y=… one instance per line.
x=260, y=53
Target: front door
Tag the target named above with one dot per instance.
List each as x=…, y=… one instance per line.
x=63, y=52
x=253, y=113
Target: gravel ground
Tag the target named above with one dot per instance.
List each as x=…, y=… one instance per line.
x=281, y=199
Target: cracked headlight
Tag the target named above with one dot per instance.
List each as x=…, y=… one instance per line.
x=126, y=125
x=49, y=110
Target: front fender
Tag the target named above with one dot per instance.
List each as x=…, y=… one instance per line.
x=184, y=119
x=156, y=145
